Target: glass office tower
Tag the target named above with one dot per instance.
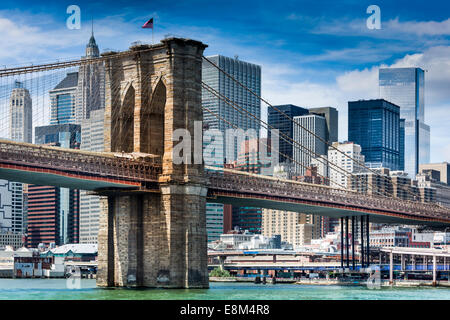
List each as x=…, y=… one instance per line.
x=62, y=100
x=405, y=88
x=375, y=126
x=248, y=74
x=285, y=126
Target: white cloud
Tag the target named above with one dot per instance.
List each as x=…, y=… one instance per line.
x=420, y=28
x=363, y=84
x=390, y=29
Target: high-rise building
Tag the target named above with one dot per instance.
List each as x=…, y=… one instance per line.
x=13, y=214
x=20, y=114
x=443, y=168
x=402, y=145
x=285, y=126
x=313, y=147
x=331, y=116
x=294, y=227
x=337, y=155
x=90, y=93
x=92, y=139
x=405, y=88
x=62, y=100
x=248, y=74
x=53, y=212
x=375, y=126
x=431, y=179
x=249, y=160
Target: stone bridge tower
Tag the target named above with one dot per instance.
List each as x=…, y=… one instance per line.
x=154, y=239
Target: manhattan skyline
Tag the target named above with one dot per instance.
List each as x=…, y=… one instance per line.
x=311, y=55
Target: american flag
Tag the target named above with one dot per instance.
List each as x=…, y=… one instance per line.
x=148, y=24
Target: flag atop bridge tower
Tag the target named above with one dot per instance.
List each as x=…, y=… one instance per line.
x=149, y=25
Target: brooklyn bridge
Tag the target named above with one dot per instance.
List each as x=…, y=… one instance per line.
x=153, y=220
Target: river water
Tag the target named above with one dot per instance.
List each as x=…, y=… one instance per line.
x=61, y=289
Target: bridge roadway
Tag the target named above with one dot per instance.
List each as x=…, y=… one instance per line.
x=78, y=169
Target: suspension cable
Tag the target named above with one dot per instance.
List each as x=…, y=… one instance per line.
x=306, y=129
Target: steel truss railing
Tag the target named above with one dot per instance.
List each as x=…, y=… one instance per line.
x=78, y=162
x=229, y=180
x=123, y=167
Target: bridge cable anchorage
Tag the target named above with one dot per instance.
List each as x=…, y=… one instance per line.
x=413, y=196
x=266, y=126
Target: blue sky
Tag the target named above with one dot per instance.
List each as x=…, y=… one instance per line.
x=312, y=53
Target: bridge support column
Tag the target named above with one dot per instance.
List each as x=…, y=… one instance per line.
x=367, y=242
x=361, y=229
x=353, y=243
x=154, y=240
x=434, y=270
x=342, y=243
x=402, y=259
x=391, y=268
x=347, y=243
x=120, y=242
x=177, y=245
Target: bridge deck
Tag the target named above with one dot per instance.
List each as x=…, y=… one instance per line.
x=44, y=165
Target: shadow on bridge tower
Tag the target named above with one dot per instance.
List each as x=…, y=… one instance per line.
x=154, y=239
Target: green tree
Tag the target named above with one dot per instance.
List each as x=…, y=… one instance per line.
x=217, y=272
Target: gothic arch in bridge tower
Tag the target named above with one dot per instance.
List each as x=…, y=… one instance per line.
x=122, y=123
x=152, y=120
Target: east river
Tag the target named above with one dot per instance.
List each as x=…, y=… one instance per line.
x=57, y=289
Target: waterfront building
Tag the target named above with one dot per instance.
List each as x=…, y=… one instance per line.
x=248, y=74
x=53, y=212
x=234, y=238
x=336, y=155
x=398, y=236
x=12, y=239
x=74, y=252
x=302, y=156
x=285, y=126
x=92, y=139
x=405, y=88
x=389, y=237
x=375, y=126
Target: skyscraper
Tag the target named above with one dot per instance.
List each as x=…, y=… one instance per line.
x=313, y=146
x=92, y=139
x=284, y=126
x=62, y=100
x=12, y=199
x=405, y=88
x=53, y=212
x=336, y=155
x=331, y=116
x=90, y=92
x=20, y=114
x=248, y=74
x=375, y=126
